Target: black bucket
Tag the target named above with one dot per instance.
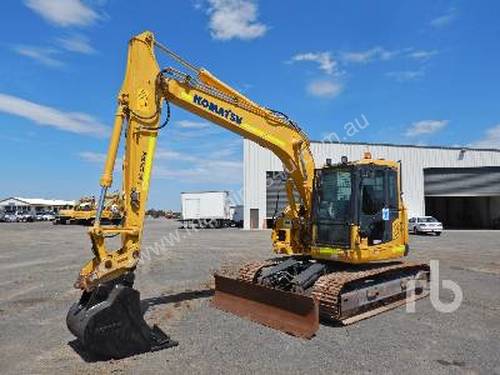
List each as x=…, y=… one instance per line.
x=109, y=322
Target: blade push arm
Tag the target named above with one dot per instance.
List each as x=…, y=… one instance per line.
x=138, y=114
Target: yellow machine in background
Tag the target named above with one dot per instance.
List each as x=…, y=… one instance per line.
x=348, y=215
x=85, y=210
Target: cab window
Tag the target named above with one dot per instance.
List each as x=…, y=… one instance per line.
x=372, y=193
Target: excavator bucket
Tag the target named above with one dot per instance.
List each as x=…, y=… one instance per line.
x=109, y=323
x=295, y=314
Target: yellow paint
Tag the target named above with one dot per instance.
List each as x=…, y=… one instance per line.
x=149, y=164
x=185, y=96
x=263, y=135
x=326, y=252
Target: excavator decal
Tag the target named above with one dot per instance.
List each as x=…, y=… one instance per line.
x=212, y=107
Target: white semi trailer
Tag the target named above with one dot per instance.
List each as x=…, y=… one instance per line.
x=205, y=209
x=236, y=215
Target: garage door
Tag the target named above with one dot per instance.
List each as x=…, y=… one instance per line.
x=276, y=198
x=463, y=197
x=275, y=193
x=465, y=182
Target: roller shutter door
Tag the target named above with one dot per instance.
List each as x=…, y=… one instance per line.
x=275, y=186
x=462, y=182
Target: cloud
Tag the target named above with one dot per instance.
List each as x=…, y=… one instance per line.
x=234, y=19
x=186, y=167
x=381, y=54
x=167, y=154
x=220, y=163
x=43, y=55
x=92, y=157
x=74, y=122
x=188, y=130
x=228, y=149
x=188, y=124
x=76, y=43
x=197, y=4
x=63, y=13
x=426, y=127
x=372, y=54
x=445, y=19
x=48, y=56
x=491, y=139
x=100, y=158
x=205, y=172
x=324, y=60
x=422, y=55
x=406, y=75
x=324, y=88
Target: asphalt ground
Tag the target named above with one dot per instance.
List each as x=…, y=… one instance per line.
x=39, y=263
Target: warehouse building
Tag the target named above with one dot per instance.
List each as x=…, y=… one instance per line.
x=458, y=186
x=33, y=205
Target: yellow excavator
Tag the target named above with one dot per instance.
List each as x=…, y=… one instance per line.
x=338, y=245
x=85, y=209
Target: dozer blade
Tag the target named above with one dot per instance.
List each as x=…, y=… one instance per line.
x=288, y=312
x=109, y=323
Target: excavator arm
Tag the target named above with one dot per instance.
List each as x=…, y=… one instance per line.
x=144, y=90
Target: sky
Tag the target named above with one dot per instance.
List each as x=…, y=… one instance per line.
x=412, y=72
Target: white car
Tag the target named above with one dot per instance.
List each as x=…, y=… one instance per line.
x=11, y=217
x=425, y=224
x=49, y=216
x=25, y=217
x=45, y=216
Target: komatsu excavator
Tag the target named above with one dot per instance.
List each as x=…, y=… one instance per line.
x=339, y=244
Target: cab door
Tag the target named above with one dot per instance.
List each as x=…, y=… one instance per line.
x=378, y=203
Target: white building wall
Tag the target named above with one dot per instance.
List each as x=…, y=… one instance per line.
x=34, y=205
x=257, y=161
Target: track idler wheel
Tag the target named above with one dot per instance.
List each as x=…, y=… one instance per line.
x=109, y=322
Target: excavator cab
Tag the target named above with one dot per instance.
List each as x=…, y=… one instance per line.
x=358, y=196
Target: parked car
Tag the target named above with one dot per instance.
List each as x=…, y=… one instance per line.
x=48, y=216
x=11, y=217
x=45, y=216
x=2, y=216
x=425, y=224
x=25, y=217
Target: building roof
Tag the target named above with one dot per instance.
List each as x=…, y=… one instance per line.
x=204, y=191
x=458, y=148
x=42, y=201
